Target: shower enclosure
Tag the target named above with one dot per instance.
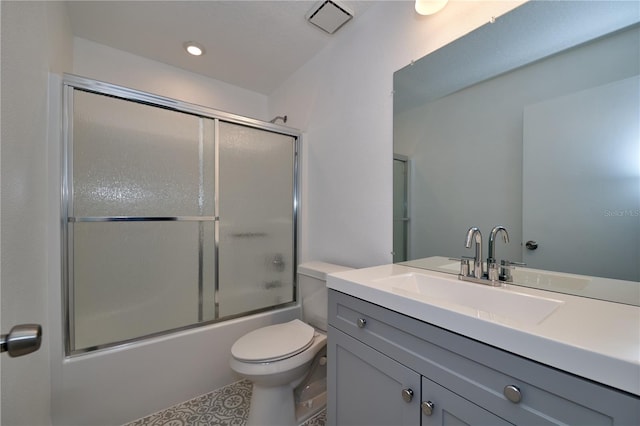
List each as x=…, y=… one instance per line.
x=174, y=215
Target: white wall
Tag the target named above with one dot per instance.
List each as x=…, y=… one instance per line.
x=35, y=40
x=342, y=100
x=100, y=62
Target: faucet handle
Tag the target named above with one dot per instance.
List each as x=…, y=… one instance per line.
x=505, y=269
x=511, y=265
x=493, y=271
x=465, y=265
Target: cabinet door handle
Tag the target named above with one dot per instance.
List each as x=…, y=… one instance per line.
x=513, y=394
x=407, y=395
x=361, y=322
x=427, y=408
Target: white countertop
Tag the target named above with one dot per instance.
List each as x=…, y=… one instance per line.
x=591, y=338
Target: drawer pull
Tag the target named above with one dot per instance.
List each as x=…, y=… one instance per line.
x=512, y=393
x=407, y=395
x=361, y=322
x=427, y=408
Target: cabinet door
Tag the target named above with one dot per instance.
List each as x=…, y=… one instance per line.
x=448, y=408
x=368, y=388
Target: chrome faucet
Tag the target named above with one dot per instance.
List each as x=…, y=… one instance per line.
x=475, y=234
x=496, y=274
x=492, y=265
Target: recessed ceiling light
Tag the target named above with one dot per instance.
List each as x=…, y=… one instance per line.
x=194, y=48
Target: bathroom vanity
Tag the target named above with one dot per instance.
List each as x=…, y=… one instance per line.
x=407, y=348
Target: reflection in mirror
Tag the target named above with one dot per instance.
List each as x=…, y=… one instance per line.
x=530, y=123
x=400, y=207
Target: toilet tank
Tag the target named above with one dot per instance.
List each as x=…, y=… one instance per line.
x=312, y=289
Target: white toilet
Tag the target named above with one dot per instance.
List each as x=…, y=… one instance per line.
x=277, y=358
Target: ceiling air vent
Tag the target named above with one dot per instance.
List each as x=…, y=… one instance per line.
x=329, y=16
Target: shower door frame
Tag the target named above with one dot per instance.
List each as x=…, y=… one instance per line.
x=71, y=83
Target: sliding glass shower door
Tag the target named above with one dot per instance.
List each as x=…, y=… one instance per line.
x=256, y=184
x=171, y=218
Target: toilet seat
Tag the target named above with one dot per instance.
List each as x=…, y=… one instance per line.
x=274, y=342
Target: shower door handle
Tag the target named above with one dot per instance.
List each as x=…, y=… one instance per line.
x=21, y=340
x=278, y=263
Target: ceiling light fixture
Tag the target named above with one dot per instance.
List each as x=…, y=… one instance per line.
x=194, y=48
x=429, y=7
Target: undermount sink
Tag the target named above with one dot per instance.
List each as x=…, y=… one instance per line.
x=499, y=304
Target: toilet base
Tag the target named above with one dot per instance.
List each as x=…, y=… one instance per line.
x=309, y=408
x=272, y=401
x=311, y=395
x=272, y=406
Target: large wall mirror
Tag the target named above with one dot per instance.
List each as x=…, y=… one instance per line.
x=530, y=122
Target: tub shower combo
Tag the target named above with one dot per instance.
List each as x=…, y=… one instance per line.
x=174, y=215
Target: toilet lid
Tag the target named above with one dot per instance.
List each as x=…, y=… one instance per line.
x=273, y=342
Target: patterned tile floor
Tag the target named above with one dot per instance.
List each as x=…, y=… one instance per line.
x=228, y=406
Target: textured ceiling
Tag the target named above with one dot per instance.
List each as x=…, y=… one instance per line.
x=256, y=45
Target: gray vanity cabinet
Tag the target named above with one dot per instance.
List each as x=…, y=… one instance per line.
x=440, y=406
x=373, y=389
x=376, y=354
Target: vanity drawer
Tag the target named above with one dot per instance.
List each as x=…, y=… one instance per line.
x=480, y=373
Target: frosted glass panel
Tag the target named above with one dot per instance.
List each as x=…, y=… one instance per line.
x=208, y=265
x=256, y=219
x=138, y=160
x=133, y=279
